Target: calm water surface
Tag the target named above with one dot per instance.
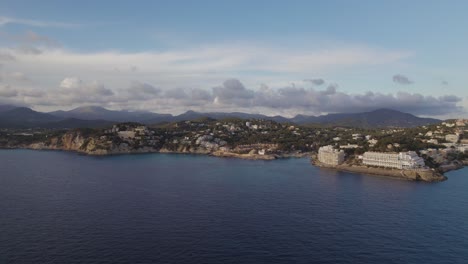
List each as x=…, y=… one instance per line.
x=58, y=207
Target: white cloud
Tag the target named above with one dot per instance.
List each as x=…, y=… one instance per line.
x=18, y=76
x=205, y=61
x=6, y=56
x=71, y=83
x=72, y=90
x=190, y=78
x=7, y=91
x=188, y=69
x=4, y=21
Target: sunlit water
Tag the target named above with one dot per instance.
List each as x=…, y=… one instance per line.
x=58, y=207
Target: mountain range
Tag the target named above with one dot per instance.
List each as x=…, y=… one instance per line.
x=95, y=116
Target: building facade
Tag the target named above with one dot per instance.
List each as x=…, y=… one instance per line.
x=329, y=155
x=402, y=160
x=452, y=138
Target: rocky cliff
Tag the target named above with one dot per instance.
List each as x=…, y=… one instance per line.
x=91, y=145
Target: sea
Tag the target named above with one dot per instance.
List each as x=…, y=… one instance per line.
x=62, y=207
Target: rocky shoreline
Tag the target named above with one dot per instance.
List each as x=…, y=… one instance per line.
x=147, y=150
x=77, y=142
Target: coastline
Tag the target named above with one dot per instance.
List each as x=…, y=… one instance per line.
x=146, y=150
x=411, y=175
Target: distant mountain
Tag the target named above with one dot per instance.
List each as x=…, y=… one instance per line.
x=23, y=117
x=95, y=112
x=304, y=119
x=4, y=108
x=373, y=119
x=78, y=123
x=93, y=116
x=100, y=113
x=191, y=115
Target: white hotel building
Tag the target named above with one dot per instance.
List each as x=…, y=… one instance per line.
x=329, y=155
x=402, y=160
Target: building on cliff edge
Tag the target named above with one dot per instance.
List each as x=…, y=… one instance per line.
x=402, y=160
x=329, y=155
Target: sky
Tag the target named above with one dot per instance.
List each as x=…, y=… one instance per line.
x=269, y=57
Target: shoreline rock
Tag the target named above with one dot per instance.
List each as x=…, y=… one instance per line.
x=147, y=150
x=243, y=156
x=455, y=165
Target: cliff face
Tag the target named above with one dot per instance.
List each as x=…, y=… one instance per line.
x=425, y=175
x=70, y=141
x=98, y=145
x=75, y=141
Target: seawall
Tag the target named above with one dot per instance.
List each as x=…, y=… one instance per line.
x=412, y=175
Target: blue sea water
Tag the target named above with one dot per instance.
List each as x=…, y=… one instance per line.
x=58, y=207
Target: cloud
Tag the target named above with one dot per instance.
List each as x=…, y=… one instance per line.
x=188, y=97
x=194, y=70
x=401, y=79
x=4, y=21
x=29, y=50
x=6, y=56
x=141, y=91
x=71, y=83
x=73, y=90
x=18, y=76
x=29, y=37
x=451, y=98
x=310, y=100
x=193, y=79
x=444, y=83
x=27, y=43
x=196, y=64
x=7, y=91
x=177, y=93
x=200, y=95
x=316, y=82
x=331, y=89
x=35, y=93
x=232, y=92
x=233, y=95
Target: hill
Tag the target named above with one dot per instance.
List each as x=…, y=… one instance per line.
x=100, y=113
x=23, y=117
x=375, y=119
x=94, y=116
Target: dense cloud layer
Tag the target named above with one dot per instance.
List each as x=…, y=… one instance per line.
x=231, y=95
x=7, y=91
x=233, y=92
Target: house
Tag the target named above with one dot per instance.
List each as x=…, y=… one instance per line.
x=452, y=138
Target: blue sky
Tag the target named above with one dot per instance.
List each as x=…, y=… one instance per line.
x=172, y=56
